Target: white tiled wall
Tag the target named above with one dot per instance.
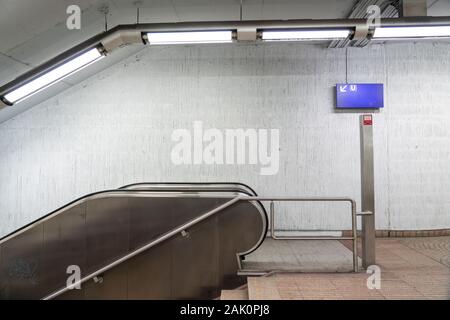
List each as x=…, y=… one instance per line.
x=115, y=128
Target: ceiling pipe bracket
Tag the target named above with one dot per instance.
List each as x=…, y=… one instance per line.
x=2, y=104
x=361, y=32
x=246, y=34
x=121, y=38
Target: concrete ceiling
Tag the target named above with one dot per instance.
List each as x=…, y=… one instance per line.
x=33, y=31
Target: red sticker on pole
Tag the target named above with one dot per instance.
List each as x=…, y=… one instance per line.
x=367, y=120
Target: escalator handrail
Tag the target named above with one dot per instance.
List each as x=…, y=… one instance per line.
x=86, y=198
x=244, y=187
x=201, y=218
x=147, y=246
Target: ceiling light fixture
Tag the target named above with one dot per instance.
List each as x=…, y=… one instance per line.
x=411, y=32
x=185, y=37
x=52, y=76
x=299, y=35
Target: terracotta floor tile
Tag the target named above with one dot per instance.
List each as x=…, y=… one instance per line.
x=410, y=269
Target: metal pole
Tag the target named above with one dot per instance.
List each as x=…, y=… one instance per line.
x=272, y=220
x=367, y=190
x=355, y=237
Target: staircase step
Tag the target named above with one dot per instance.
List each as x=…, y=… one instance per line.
x=234, y=294
x=262, y=288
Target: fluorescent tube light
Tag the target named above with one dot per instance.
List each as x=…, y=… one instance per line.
x=296, y=35
x=412, y=32
x=53, y=76
x=189, y=37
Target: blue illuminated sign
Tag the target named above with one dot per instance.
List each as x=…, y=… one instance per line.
x=359, y=95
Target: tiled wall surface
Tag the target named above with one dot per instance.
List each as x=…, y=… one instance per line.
x=115, y=128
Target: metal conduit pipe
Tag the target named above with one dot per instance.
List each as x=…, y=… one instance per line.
x=359, y=11
x=126, y=34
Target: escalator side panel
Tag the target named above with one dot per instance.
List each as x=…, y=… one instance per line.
x=113, y=285
x=190, y=208
x=107, y=234
x=65, y=243
x=152, y=217
x=21, y=264
x=107, y=227
x=149, y=274
x=195, y=262
x=74, y=294
x=249, y=226
x=93, y=232
x=4, y=281
x=149, y=218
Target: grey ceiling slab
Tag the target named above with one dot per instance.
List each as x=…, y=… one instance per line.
x=23, y=20
x=291, y=9
x=208, y=11
x=157, y=4
x=438, y=8
x=10, y=69
x=53, y=42
x=157, y=15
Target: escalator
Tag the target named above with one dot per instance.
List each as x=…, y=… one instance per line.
x=132, y=236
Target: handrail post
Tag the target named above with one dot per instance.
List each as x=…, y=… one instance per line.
x=355, y=237
x=354, y=233
x=272, y=220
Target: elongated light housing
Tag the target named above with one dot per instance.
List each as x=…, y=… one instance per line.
x=53, y=76
x=412, y=32
x=298, y=35
x=189, y=37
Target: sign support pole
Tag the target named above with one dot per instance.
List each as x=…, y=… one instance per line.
x=367, y=190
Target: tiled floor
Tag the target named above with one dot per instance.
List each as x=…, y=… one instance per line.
x=411, y=268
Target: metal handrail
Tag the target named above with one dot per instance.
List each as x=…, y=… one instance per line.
x=354, y=236
x=153, y=243
x=101, y=195
x=182, y=229
x=364, y=213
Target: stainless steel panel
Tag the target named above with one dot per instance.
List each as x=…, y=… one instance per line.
x=367, y=191
x=99, y=229
x=113, y=285
x=189, y=208
x=107, y=227
x=64, y=245
x=149, y=218
x=149, y=274
x=74, y=294
x=240, y=229
x=195, y=262
x=22, y=265
x=4, y=281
